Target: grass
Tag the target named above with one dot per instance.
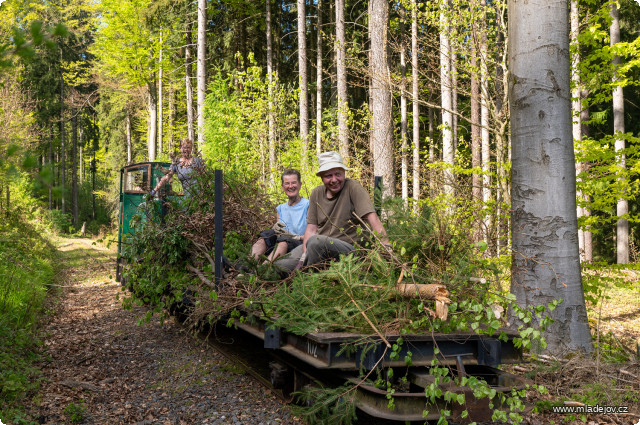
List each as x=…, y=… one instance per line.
x=27, y=261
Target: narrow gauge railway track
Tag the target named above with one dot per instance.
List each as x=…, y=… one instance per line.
x=285, y=363
x=248, y=353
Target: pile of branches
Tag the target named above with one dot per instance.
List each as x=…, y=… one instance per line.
x=426, y=282
x=170, y=254
x=381, y=291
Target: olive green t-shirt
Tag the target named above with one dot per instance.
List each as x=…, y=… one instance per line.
x=334, y=216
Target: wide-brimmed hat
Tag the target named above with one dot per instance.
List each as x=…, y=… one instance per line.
x=329, y=160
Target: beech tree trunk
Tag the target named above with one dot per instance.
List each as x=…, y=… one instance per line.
x=446, y=99
x=272, y=125
x=484, y=121
x=546, y=261
x=52, y=165
x=127, y=124
x=74, y=168
x=588, y=235
x=153, y=120
x=341, y=77
x=415, y=101
x=188, y=63
x=476, y=141
x=319, y=81
x=403, y=112
x=81, y=154
x=201, y=68
x=160, y=133
x=622, y=208
x=62, y=145
x=302, y=80
x=381, y=128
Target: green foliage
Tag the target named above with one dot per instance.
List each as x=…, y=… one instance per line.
x=76, y=412
x=162, y=247
x=237, y=112
x=60, y=222
x=326, y=406
x=26, y=269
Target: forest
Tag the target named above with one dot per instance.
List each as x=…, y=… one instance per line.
x=408, y=91
x=451, y=103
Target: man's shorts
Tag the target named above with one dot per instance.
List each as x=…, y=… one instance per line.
x=272, y=240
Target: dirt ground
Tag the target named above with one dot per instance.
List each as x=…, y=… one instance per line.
x=104, y=368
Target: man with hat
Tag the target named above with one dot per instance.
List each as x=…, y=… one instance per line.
x=336, y=209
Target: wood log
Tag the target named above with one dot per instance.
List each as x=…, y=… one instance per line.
x=433, y=291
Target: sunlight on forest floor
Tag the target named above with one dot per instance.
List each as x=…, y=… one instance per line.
x=618, y=310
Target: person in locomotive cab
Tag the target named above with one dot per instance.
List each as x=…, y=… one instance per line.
x=336, y=209
x=288, y=231
x=185, y=168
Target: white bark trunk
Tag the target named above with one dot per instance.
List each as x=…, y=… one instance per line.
x=302, y=80
x=381, y=129
x=272, y=125
x=152, y=128
x=127, y=124
x=403, y=114
x=319, y=82
x=484, y=122
x=188, y=62
x=341, y=76
x=546, y=263
x=201, y=68
x=160, y=136
x=415, y=100
x=622, y=208
x=446, y=96
x=575, y=104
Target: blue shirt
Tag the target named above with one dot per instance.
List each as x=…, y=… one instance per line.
x=295, y=217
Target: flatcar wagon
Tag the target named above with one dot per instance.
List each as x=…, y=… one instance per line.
x=296, y=360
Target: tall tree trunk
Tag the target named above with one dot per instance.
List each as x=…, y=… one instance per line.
x=302, y=80
x=454, y=95
x=62, y=144
x=546, y=261
x=415, y=99
x=622, y=208
x=272, y=124
x=576, y=107
x=74, y=168
x=52, y=165
x=381, y=128
x=588, y=235
x=153, y=120
x=448, y=151
x=188, y=63
x=341, y=76
x=201, y=68
x=81, y=154
x=476, y=138
x=172, y=116
x=160, y=103
x=127, y=124
x=319, y=81
x=403, y=110
x=484, y=120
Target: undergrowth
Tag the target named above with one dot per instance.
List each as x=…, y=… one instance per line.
x=27, y=261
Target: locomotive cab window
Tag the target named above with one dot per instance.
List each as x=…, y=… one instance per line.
x=136, y=180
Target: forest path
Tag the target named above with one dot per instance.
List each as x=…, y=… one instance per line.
x=106, y=369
